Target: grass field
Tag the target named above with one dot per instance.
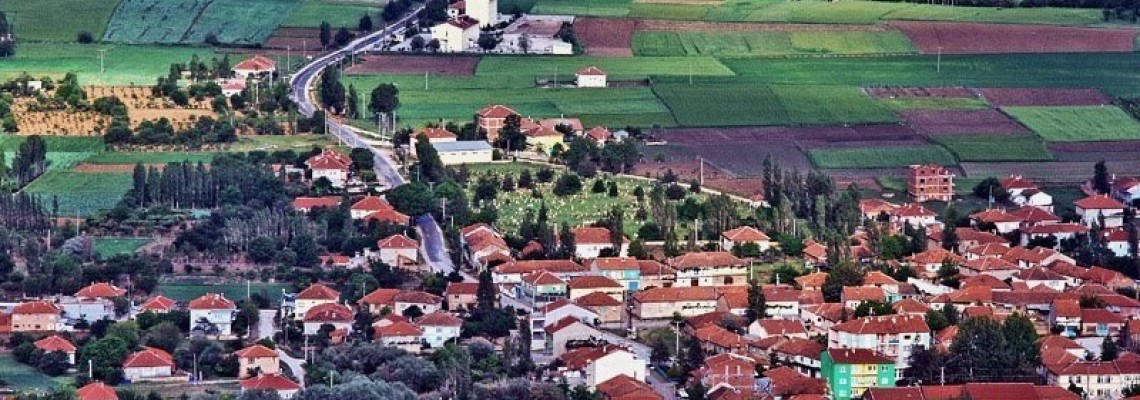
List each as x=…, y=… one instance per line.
x=57, y=20
x=81, y=193
x=816, y=11
x=125, y=65
x=880, y=157
x=934, y=103
x=337, y=13
x=769, y=43
x=1077, y=124
x=235, y=292
x=20, y=376
x=109, y=246
x=996, y=148
x=726, y=105
x=150, y=158
x=524, y=70
x=1115, y=74
x=190, y=21
x=62, y=152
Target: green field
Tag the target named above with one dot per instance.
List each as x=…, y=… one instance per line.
x=815, y=11
x=769, y=43
x=57, y=20
x=150, y=157
x=880, y=157
x=184, y=293
x=996, y=148
x=337, y=13
x=190, y=21
x=1077, y=124
x=285, y=142
x=727, y=105
x=109, y=246
x=525, y=70
x=20, y=376
x=81, y=193
x=125, y=65
x=62, y=152
x=934, y=103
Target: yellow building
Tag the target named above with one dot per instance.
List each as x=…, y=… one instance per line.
x=35, y=316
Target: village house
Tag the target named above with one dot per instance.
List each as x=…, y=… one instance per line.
x=401, y=335
x=590, y=241
x=1101, y=210
x=457, y=34
x=572, y=125
x=608, y=309
x=36, y=316
x=257, y=359
x=1040, y=276
x=306, y=205
x=853, y=296
x=564, y=333
x=257, y=66
x=785, y=302
x=820, y=318
x=715, y=340
x=1101, y=323
x=623, y=387
x=876, y=208
x=491, y=119
x=653, y=274
x=968, y=238
x=158, y=305
x=687, y=301
x=340, y=317
x=777, y=327
x=1025, y=193
x=801, y=354
x=331, y=165
x=930, y=183
x=483, y=244
x=149, y=364
x=439, y=328
x=744, y=234
x=850, y=372
x=590, y=366
x=713, y=268
x=972, y=391
x=461, y=295
x=314, y=295
x=543, y=139
x=915, y=215
x=1117, y=241
x=812, y=281
x=733, y=371
x=212, y=315
x=539, y=288
x=56, y=343
x=587, y=284
x=433, y=135
x=895, y=336
x=282, y=386
x=590, y=77
x=623, y=270
x=1126, y=189
x=1054, y=232
x=513, y=272
x=398, y=251
x=1098, y=379
x=1001, y=221
x=96, y=390
x=599, y=135
x=367, y=205
x=992, y=266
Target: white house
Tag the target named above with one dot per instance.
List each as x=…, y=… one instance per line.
x=256, y=67
x=566, y=330
x=212, y=314
x=591, y=366
x=590, y=241
x=1126, y=189
x=744, y=234
x=484, y=11
x=1093, y=209
x=712, y=268
x=148, y=363
x=401, y=335
x=590, y=77
x=314, y=295
x=284, y=387
x=367, y=205
x=330, y=165
x=457, y=34
x=439, y=328
x=464, y=152
x=340, y=317
x=397, y=250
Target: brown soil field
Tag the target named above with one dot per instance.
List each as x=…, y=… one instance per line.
x=296, y=39
x=1003, y=97
x=1095, y=151
x=975, y=38
x=662, y=25
x=958, y=122
x=436, y=65
x=610, y=37
x=1055, y=172
x=85, y=167
x=689, y=169
x=950, y=92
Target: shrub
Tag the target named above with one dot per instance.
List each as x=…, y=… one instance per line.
x=568, y=184
x=85, y=37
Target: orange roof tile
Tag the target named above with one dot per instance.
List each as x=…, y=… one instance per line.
x=274, y=382
x=101, y=290
x=329, y=312
x=96, y=391
x=212, y=301
x=256, y=351
x=318, y=291
x=55, y=343
x=1098, y=202
x=149, y=357
x=745, y=234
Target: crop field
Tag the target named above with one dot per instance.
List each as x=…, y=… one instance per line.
x=996, y=148
x=1066, y=172
x=728, y=105
x=110, y=246
x=125, y=65
x=81, y=193
x=1096, y=151
x=57, y=20
x=338, y=14
x=190, y=21
x=62, y=152
x=769, y=43
x=20, y=376
x=1010, y=97
x=961, y=122
x=880, y=157
x=1114, y=73
x=150, y=157
x=1077, y=124
x=236, y=292
x=919, y=103
x=408, y=64
x=814, y=11
x=526, y=69
x=962, y=38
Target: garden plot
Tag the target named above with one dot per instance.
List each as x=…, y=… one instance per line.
x=961, y=122
x=1012, y=97
x=1077, y=124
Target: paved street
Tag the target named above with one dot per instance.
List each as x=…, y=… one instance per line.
x=265, y=329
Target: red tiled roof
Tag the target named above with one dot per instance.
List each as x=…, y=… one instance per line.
x=464, y=288
x=315, y=202
x=989, y=264
x=397, y=329
x=615, y=263
x=599, y=134
x=159, y=303
x=397, y=241
x=706, y=259
x=417, y=297
x=876, y=278
x=553, y=266
x=318, y=291
x=597, y=299
x=577, y=359
x=781, y=327
x=857, y=356
x=439, y=319
x=719, y=337
x=913, y=210
x=591, y=70
x=910, y=306
x=211, y=301
x=1033, y=215
x=542, y=278
x=436, y=133
x=96, y=391
x=389, y=216
x=329, y=312
x=274, y=382
x=684, y=293
x=1053, y=229
x=1017, y=182
x=876, y=206
x=372, y=203
x=575, y=124
x=561, y=324
x=800, y=347
x=36, y=307
x=380, y=297
x=994, y=215
x=256, y=351
x=935, y=255
x=55, y=343
x=863, y=293
x=654, y=268
x=885, y=324
x=592, y=282
x=329, y=159
x=1098, y=202
x=988, y=281
x=592, y=235
x=149, y=357
x=496, y=111
x=1038, y=273
x=1100, y=316
x=745, y=234
x=101, y=290
x=623, y=387
x=256, y=63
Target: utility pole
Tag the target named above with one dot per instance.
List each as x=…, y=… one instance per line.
x=102, y=55
x=425, y=80
x=938, y=64
x=288, y=59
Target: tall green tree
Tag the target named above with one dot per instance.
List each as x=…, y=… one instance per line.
x=326, y=34
x=353, y=102
x=383, y=101
x=757, y=304
x=1102, y=181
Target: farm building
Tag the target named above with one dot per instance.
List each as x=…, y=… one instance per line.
x=541, y=34
x=457, y=34
x=464, y=152
x=590, y=77
x=930, y=183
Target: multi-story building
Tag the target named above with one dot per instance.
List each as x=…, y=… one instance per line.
x=212, y=315
x=930, y=183
x=713, y=268
x=257, y=359
x=850, y=372
x=894, y=336
x=314, y=295
x=685, y=301
x=492, y=118
x=590, y=241
x=624, y=270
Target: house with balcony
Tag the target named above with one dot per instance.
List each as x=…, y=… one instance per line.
x=850, y=372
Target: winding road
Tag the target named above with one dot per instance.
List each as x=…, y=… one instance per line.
x=302, y=83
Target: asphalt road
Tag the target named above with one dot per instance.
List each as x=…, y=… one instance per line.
x=432, y=243
x=265, y=329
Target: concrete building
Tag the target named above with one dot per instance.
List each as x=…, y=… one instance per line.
x=439, y=328
x=212, y=315
x=850, y=372
x=930, y=183
x=491, y=119
x=464, y=152
x=590, y=77
x=457, y=34
x=895, y=336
